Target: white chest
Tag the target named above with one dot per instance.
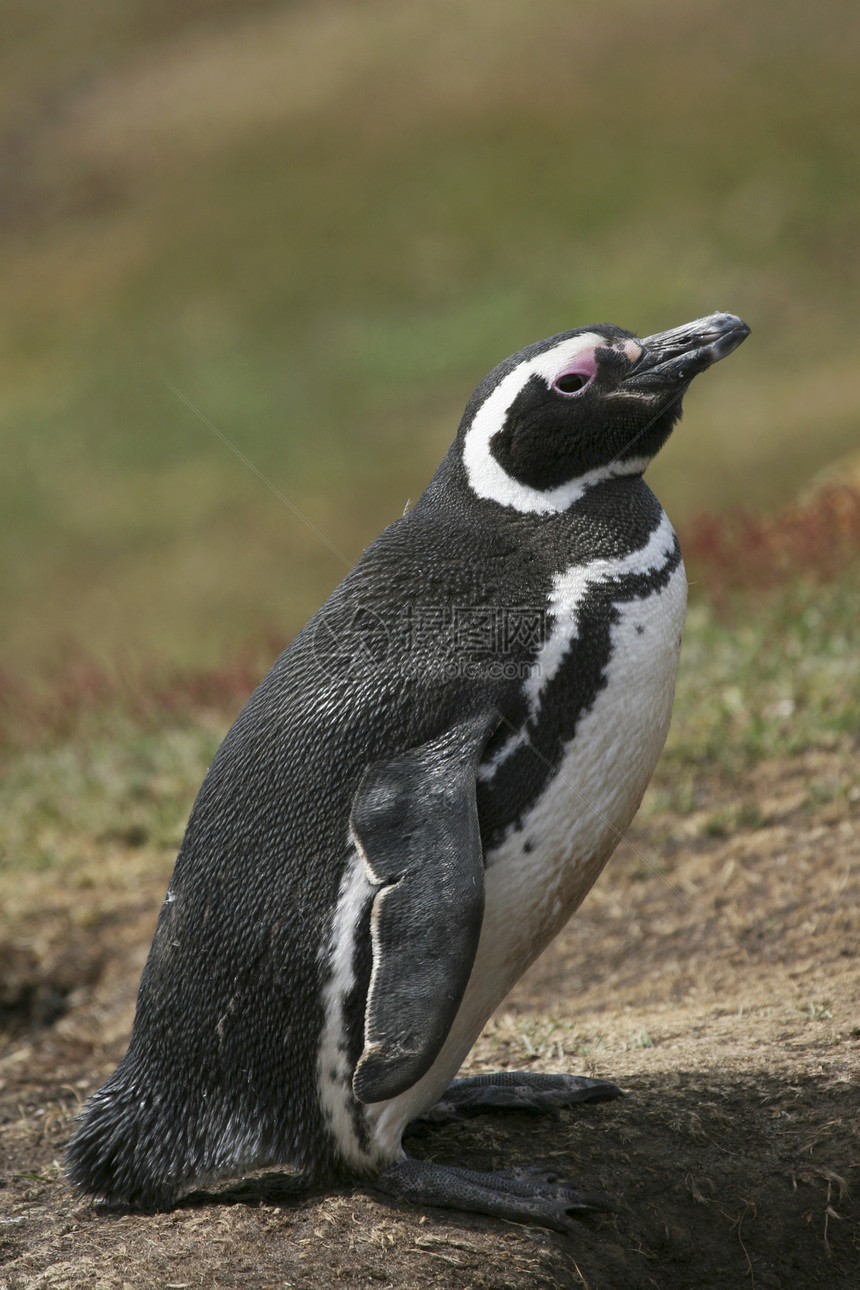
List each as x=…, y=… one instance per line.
x=540, y=873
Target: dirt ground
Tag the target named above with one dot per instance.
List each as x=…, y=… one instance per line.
x=721, y=993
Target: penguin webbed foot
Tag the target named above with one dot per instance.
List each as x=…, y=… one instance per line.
x=512, y=1091
x=518, y=1195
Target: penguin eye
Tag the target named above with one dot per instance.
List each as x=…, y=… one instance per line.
x=570, y=382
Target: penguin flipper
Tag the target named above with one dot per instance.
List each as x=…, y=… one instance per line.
x=415, y=821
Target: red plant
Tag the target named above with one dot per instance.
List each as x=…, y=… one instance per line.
x=725, y=555
x=816, y=539
x=57, y=703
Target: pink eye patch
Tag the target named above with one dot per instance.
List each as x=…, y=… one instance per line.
x=576, y=375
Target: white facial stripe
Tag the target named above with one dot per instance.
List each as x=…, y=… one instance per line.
x=553, y=360
x=488, y=479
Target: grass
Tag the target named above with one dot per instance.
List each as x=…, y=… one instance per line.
x=102, y=765
x=323, y=225
x=90, y=831
x=780, y=676
x=769, y=664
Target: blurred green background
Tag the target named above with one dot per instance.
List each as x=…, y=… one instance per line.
x=324, y=222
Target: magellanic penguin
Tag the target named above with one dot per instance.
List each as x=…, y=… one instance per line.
x=415, y=800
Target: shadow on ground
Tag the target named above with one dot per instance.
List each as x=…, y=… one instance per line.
x=728, y=1017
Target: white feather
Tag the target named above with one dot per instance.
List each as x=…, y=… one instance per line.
x=486, y=476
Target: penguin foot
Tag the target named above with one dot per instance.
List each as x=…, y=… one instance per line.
x=513, y=1091
x=517, y=1195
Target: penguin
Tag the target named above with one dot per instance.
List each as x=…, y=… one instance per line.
x=413, y=803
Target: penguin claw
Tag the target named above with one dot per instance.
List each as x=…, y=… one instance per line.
x=513, y=1091
x=517, y=1195
x=551, y=1186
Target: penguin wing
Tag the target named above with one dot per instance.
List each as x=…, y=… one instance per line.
x=415, y=821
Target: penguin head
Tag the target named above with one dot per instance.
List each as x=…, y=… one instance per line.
x=582, y=407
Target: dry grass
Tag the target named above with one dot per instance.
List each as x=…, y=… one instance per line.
x=722, y=995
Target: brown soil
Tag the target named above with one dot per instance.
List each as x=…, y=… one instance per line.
x=723, y=999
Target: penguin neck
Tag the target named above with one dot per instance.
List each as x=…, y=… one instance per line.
x=608, y=517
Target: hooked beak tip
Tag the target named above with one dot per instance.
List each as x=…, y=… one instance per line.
x=684, y=351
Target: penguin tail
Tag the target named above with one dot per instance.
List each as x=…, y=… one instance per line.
x=122, y=1153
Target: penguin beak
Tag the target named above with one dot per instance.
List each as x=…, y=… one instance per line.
x=673, y=358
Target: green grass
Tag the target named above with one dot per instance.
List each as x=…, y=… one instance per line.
x=779, y=675
x=100, y=772
x=89, y=829
x=65, y=804
x=778, y=678
x=324, y=224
